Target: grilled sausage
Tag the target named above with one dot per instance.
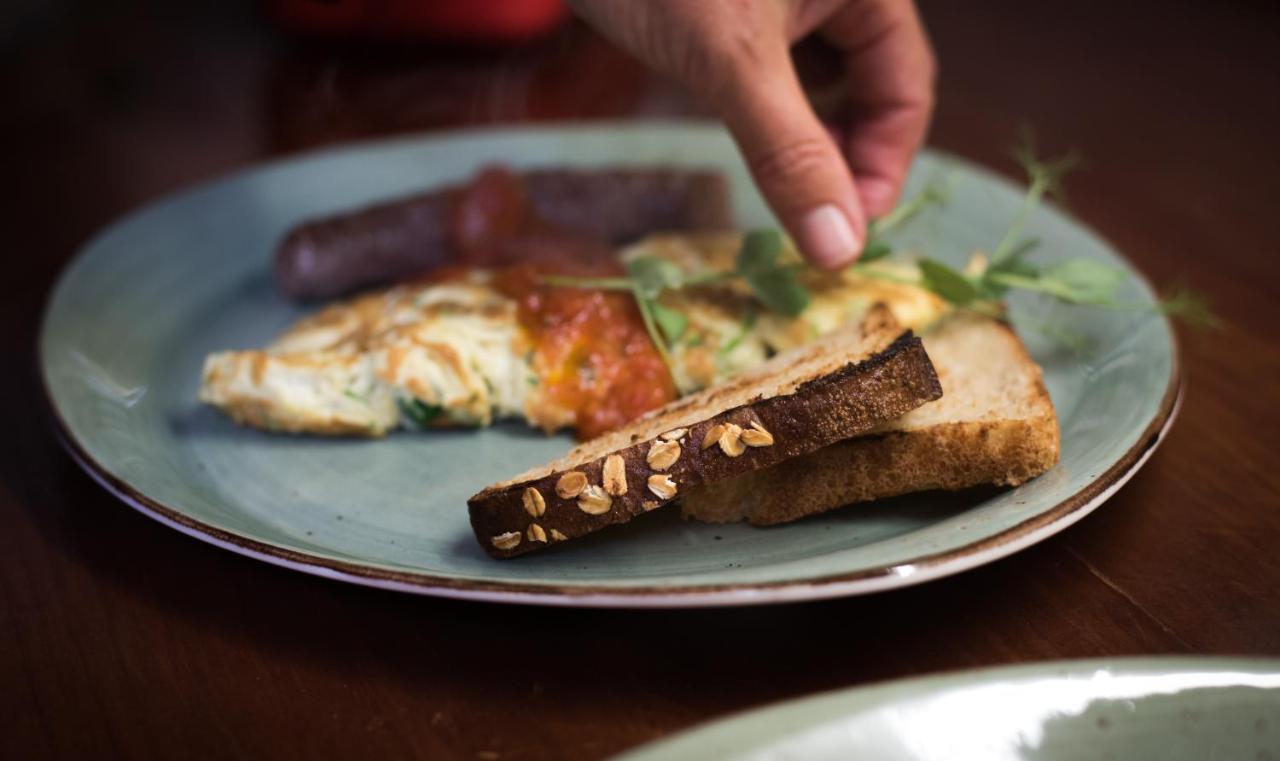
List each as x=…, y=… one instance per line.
x=405, y=237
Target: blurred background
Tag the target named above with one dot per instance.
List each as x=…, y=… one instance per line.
x=108, y=104
x=111, y=102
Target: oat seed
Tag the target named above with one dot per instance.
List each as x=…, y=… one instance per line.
x=662, y=485
x=757, y=436
x=506, y=541
x=536, y=533
x=713, y=435
x=615, y=475
x=534, y=504
x=556, y=536
x=675, y=435
x=594, y=500
x=663, y=454
x=731, y=440
x=571, y=484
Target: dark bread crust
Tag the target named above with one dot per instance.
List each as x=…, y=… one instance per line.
x=849, y=401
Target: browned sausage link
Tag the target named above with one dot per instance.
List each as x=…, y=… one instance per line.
x=621, y=205
x=334, y=255
x=331, y=256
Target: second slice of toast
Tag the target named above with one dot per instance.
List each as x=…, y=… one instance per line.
x=844, y=384
x=995, y=424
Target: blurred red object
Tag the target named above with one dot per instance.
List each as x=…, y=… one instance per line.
x=468, y=21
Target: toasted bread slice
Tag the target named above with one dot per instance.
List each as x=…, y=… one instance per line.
x=994, y=424
x=842, y=385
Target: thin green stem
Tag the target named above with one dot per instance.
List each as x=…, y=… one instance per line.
x=1005, y=248
x=1194, y=314
x=642, y=304
x=659, y=343
x=903, y=213
x=876, y=274
x=1057, y=290
x=1045, y=176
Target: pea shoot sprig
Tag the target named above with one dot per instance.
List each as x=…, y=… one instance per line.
x=760, y=263
x=774, y=279
x=1074, y=281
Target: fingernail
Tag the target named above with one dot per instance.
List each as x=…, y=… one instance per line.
x=828, y=238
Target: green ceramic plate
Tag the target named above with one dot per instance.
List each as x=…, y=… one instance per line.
x=134, y=314
x=1170, y=709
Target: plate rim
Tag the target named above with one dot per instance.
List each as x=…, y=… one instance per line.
x=909, y=572
x=891, y=689
x=864, y=581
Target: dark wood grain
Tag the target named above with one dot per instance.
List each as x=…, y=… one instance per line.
x=119, y=637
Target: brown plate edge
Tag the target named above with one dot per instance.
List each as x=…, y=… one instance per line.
x=907, y=573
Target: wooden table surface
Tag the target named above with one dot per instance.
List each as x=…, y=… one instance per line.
x=120, y=637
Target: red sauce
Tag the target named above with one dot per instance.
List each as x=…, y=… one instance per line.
x=592, y=353
x=489, y=211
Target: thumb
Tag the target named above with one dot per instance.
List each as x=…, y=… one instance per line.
x=795, y=163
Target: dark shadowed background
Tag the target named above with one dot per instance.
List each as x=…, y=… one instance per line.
x=119, y=637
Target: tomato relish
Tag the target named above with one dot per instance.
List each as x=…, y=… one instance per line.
x=591, y=352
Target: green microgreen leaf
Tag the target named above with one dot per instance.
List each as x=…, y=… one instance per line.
x=876, y=249
x=420, y=413
x=760, y=250
x=672, y=322
x=1190, y=307
x=652, y=275
x=947, y=282
x=1087, y=281
x=775, y=285
x=748, y=322
x=782, y=292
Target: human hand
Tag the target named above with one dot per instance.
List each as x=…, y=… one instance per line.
x=735, y=55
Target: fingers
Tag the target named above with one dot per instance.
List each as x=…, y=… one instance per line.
x=891, y=71
x=797, y=166
x=735, y=55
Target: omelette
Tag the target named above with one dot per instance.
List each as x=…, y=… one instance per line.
x=468, y=347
